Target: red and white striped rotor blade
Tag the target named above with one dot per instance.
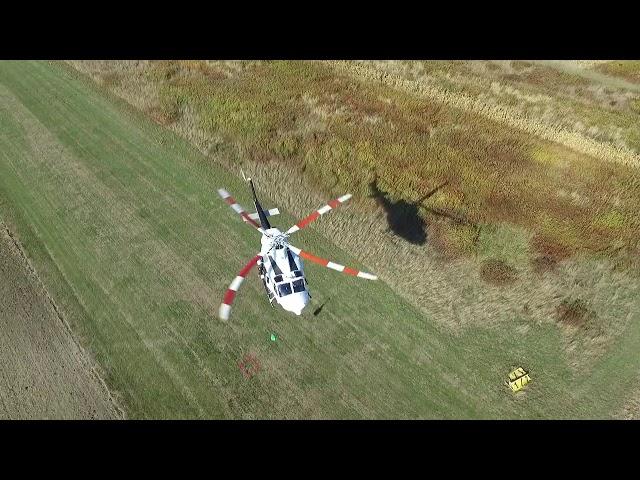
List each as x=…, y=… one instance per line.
x=226, y=196
x=230, y=295
x=315, y=215
x=335, y=266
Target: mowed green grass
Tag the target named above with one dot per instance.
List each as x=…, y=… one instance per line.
x=123, y=223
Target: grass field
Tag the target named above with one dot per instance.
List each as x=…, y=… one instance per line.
x=122, y=223
x=44, y=373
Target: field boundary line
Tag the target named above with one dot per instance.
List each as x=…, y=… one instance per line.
x=18, y=247
x=498, y=113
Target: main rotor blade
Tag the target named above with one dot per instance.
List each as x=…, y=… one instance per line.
x=335, y=266
x=267, y=213
x=315, y=215
x=230, y=295
x=226, y=196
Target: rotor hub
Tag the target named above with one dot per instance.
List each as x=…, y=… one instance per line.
x=279, y=240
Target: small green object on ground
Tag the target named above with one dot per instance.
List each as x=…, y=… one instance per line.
x=273, y=337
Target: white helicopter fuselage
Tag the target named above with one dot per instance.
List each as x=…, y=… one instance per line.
x=279, y=262
x=282, y=272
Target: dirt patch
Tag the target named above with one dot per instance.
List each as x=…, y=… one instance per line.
x=164, y=117
x=543, y=264
x=573, y=313
x=249, y=366
x=498, y=273
x=548, y=254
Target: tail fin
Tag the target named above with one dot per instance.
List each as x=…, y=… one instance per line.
x=264, y=223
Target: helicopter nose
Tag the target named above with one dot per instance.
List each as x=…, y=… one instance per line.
x=295, y=303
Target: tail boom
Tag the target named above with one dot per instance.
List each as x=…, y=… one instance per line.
x=264, y=223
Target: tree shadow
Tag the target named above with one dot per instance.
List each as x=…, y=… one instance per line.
x=403, y=217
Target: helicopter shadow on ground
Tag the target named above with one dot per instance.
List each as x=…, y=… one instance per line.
x=403, y=217
x=318, y=310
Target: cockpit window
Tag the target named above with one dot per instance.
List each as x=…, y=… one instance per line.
x=298, y=285
x=284, y=289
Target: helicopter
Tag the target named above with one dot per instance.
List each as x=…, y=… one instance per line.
x=280, y=265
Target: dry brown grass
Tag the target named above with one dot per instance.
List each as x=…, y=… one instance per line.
x=499, y=113
x=631, y=409
x=548, y=253
x=497, y=272
x=289, y=112
x=558, y=94
x=628, y=69
x=573, y=313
